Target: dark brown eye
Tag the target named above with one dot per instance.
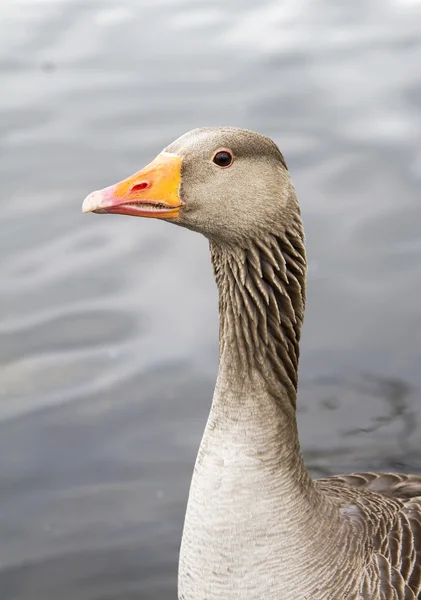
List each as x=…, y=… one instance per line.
x=223, y=158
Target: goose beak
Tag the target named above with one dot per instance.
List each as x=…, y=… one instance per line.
x=152, y=192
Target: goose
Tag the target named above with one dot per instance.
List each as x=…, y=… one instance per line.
x=257, y=525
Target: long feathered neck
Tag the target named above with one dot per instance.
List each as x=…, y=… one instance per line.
x=261, y=303
x=261, y=306
x=253, y=508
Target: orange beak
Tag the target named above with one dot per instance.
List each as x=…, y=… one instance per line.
x=152, y=192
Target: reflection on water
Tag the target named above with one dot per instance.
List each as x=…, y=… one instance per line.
x=109, y=325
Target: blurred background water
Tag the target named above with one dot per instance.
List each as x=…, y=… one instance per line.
x=108, y=325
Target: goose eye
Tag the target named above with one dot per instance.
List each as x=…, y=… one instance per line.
x=223, y=158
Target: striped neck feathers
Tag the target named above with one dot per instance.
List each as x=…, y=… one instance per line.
x=261, y=305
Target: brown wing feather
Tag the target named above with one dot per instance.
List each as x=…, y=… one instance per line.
x=395, y=485
x=394, y=571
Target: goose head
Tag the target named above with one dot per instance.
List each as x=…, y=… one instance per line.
x=226, y=183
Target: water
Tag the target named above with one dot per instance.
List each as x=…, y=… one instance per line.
x=108, y=324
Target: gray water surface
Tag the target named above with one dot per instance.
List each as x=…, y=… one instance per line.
x=108, y=325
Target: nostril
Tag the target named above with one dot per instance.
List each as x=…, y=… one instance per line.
x=142, y=185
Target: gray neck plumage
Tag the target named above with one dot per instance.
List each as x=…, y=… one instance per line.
x=261, y=306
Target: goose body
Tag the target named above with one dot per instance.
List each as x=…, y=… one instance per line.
x=257, y=526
